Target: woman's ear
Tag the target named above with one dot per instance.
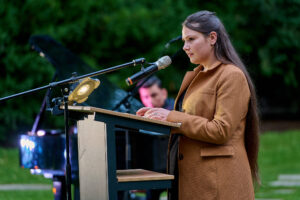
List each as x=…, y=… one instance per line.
x=213, y=36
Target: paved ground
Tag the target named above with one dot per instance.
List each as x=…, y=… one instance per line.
x=287, y=184
x=25, y=187
x=287, y=180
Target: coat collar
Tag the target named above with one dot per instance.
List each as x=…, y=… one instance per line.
x=213, y=66
x=190, y=75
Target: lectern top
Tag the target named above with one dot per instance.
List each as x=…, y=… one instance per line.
x=89, y=109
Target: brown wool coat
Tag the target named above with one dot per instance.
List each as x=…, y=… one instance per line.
x=212, y=159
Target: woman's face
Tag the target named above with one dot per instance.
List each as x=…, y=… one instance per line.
x=196, y=46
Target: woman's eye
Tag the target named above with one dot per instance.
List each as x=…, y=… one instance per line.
x=188, y=39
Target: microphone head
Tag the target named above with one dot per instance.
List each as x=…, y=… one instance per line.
x=173, y=40
x=163, y=62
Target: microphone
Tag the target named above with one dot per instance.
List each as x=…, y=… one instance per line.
x=161, y=63
x=173, y=40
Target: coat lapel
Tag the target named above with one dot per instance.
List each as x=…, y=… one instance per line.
x=189, y=76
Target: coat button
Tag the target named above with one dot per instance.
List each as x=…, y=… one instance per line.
x=180, y=156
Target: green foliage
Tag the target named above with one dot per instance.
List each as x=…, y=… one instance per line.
x=105, y=33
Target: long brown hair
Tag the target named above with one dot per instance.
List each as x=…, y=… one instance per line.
x=205, y=22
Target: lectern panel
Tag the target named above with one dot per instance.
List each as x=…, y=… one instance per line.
x=92, y=159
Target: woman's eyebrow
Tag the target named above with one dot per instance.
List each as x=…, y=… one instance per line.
x=187, y=36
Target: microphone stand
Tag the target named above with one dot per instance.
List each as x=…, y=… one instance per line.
x=130, y=94
x=74, y=79
x=65, y=91
x=68, y=164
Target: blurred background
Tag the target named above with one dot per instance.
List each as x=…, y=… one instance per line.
x=105, y=33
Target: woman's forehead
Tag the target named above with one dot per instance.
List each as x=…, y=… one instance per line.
x=187, y=32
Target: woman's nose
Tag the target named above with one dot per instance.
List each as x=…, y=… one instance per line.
x=186, y=47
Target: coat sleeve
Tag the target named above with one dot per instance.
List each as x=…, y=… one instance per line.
x=232, y=99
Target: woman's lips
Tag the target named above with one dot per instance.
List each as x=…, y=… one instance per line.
x=189, y=54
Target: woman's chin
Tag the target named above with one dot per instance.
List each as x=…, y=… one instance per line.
x=194, y=61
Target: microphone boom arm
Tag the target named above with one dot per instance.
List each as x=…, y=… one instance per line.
x=74, y=79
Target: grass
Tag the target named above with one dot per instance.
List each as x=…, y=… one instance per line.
x=26, y=195
x=11, y=173
x=279, y=154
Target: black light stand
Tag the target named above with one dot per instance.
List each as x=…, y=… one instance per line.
x=65, y=92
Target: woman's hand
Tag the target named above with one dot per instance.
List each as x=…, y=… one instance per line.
x=153, y=113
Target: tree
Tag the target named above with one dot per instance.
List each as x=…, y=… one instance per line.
x=105, y=33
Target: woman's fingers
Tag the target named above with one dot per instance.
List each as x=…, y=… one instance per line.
x=157, y=113
x=141, y=112
x=153, y=113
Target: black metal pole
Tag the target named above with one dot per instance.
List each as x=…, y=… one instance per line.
x=68, y=164
x=23, y=93
x=74, y=79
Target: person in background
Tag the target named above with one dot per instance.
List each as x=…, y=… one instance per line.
x=213, y=154
x=153, y=95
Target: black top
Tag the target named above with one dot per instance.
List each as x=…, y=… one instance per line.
x=173, y=157
x=169, y=104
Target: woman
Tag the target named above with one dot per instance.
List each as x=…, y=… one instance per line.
x=216, y=106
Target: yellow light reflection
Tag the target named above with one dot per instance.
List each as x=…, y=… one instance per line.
x=83, y=89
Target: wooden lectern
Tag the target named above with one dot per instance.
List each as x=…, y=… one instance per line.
x=98, y=177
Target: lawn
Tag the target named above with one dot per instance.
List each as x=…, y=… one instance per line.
x=11, y=173
x=279, y=154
